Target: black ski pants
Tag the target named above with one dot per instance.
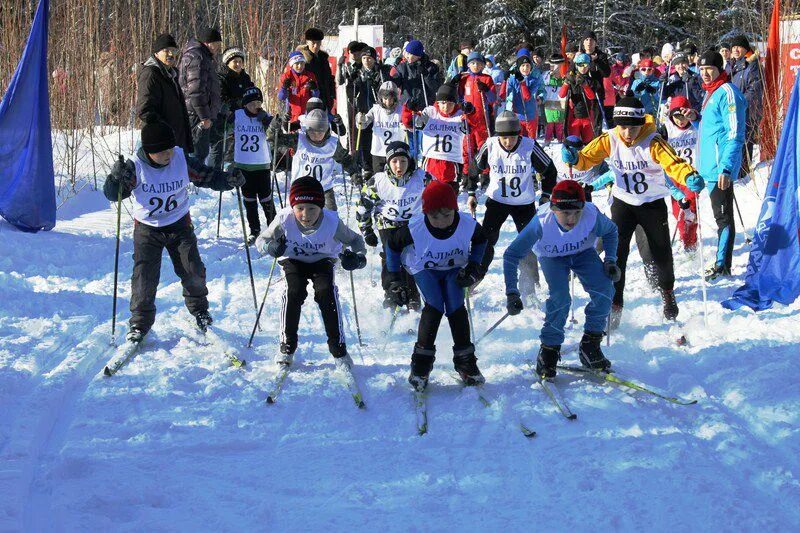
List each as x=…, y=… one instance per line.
x=493, y=219
x=257, y=189
x=326, y=294
x=653, y=218
x=148, y=246
x=385, y=235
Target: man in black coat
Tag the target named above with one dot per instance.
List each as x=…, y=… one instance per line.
x=198, y=77
x=317, y=62
x=599, y=68
x=159, y=91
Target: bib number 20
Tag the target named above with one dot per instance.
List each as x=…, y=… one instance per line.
x=314, y=170
x=635, y=183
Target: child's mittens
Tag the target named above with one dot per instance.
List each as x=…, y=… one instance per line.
x=695, y=182
x=468, y=108
x=569, y=154
x=420, y=121
x=371, y=239
x=235, y=178
x=612, y=270
x=352, y=261
x=276, y=247
x=469, y=275
x=514, y=304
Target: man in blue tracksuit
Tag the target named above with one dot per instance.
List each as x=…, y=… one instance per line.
x=722, y=137
x=563, y=236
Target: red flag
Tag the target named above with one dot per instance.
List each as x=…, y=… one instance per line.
x=565, y=64
x=772, y=87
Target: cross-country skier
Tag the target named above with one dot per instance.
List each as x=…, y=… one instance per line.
x=386, y=126
x=442, y=248
x=317, y=152
x=252, y=154
x=307, y=239
x=639, y=157
x=563, y=236
x=513, y=162
x=392, y=197
x=157, y=179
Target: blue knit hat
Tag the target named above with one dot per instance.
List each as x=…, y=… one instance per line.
x=296, y=57
x=582, y=59
x=490, y=59
x=414, y=47
x=475, y=56
x=523, y=52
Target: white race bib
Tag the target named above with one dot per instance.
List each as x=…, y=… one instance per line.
x=386, y=129
x=556, y=242
x=638, y=179
x=511, y=175
x=443, y=137
x=314, y=246
x=399, y=204
x=252, y=147
x=160, y=196
x=317, y=161
x=430, y=253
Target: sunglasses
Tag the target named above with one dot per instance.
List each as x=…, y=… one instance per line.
x=678, y=116
x=646, y=69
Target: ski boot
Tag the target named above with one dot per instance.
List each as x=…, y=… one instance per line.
x=414, y=304
x=549, y=356
x=616, y=316
x=285, y=355
x=135, y=334
x=388, y=302
x=591, y=355
x=203, y=320
x=251, y=239
x=670, y=305
x=466, y=364
x=341, y=359
x=421, y=365
x=717, y=271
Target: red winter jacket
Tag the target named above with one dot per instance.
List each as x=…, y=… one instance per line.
x=303, y=87
x=469, y=92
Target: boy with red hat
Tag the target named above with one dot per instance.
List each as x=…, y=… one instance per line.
x=442, y=248
x=563, y=236
x=306, y=238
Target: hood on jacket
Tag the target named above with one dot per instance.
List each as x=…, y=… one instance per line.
x=303, y=48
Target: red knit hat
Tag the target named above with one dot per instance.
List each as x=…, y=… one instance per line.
x=567, y=194
x=306, y=190
x=677, y=103
x=438, y=195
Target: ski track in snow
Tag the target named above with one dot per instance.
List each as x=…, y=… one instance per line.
x=180, y=440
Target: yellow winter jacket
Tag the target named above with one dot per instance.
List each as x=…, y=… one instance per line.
x=662, y=153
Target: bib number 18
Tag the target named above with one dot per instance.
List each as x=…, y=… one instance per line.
x=635, y=183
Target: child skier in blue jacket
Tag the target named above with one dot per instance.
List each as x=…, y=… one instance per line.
x=563, y=236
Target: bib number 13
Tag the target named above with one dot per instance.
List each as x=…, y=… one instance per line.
x=635, y=183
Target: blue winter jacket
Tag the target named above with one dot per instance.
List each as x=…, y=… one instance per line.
x=525, y=110
x=648, y=90
x=721, y=133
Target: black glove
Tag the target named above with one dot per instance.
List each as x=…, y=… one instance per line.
x=650, y=89
x=684, y=203
x=482, y=87
x=123, y=172
x=337, y=120
x=287, y=83
x=398, y=291
x=544, y=198
x=514, y=304
x=413, y=104
x=518, y=75
x=468, y=108
x=277, y=247
x=352, y=261
x=311, y=85
x=371, y=239
x=469, y=275
x=612, y=270
x=235, y=179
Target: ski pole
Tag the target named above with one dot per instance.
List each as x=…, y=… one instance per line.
x=263, y=301
x=675, y=231
x=491, y=329
x=275, y=168
x=116, y=264
x=355, y=309
x=391, y=327
x=572, y=298
x=469, y=313
x=747, y=239
x=219, y=206
x=485, y=114
x=702, y=262
x=247, y=251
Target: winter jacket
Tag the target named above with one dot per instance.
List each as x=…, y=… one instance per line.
x=158, y=92
x=302, y=87
x=457, y=66
x=232, y=87
x=746, y=76
x=721, y=133
x=288, y=141
x=361, y=85
x=469, y=91
x=599, y=68
x=368, y=205
x=319, y=65
x=199, y=80
x=662, y=153
x=581, y=93
x=620, y=82
x=521, y=95
x=418, y=82
x=554, y=109
x=688, y=85
x=648, y=90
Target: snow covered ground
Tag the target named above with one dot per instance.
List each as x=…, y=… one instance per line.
x=180, y=441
